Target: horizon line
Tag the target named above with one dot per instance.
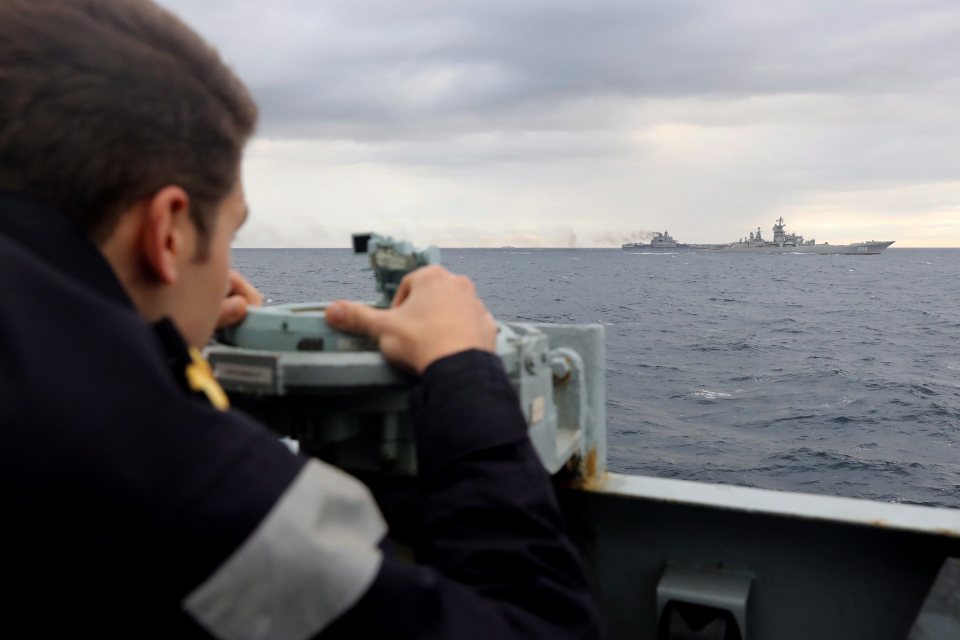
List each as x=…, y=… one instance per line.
x=452, y=248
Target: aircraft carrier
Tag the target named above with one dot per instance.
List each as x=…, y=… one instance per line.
x=660, y=242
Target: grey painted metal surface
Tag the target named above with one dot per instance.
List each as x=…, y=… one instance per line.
x=588, y=341
x=940, y=616
x=557, y=372
x=932, y=520
x=823, y=568
x=722, y=590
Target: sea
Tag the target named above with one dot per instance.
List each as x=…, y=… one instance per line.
x=835, y=375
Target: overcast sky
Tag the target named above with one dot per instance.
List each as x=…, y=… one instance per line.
x=588, y=123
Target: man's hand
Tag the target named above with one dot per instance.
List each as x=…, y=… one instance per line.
x=240, y=295
x=434, y=314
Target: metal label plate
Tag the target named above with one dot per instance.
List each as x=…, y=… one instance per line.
x=244, y=372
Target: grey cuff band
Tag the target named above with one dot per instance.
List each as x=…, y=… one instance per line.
x=309, y=561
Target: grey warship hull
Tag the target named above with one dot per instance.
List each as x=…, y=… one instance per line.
x=788, y=242
x=661, y=242
x=854, y=249
x=783, y=242
x=647, y=247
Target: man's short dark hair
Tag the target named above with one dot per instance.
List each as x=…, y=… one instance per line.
x=105, y=102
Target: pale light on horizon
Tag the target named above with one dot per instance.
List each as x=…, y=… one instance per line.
x=470, y=124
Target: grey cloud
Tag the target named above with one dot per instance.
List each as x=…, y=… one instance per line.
x=371, y=69
x=602, y=117
x=362, y=68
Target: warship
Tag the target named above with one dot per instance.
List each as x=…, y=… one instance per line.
x=668, y=559
x=660, y=242
x=784, y=242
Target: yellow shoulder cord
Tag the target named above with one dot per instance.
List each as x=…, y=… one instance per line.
x=200, y=378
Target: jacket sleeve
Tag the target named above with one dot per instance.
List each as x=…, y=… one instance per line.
x=493, y=560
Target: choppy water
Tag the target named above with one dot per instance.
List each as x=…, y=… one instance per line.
x=825, y=374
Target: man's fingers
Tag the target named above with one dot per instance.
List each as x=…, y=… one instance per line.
x=232, y=310
x=356, y=317
x=412, y=279
x=402, y=291
x=242, y=287
x=240, y=295
x=435, y=314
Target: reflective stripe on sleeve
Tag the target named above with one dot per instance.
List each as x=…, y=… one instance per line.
x=309, y=561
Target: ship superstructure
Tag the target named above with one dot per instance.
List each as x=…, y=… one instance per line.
x=784, y=242
x=660, y=242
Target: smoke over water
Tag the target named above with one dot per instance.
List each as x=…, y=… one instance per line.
x=517, y=235
x=638, y=236
x=560, y=237
x=612, y=239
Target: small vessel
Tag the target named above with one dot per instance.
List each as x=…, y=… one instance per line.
x=784, y=242
x=659, y=242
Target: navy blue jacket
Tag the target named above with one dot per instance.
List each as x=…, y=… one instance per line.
x=123, y=493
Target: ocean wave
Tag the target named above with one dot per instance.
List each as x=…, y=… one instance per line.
x=793, y=418
x=653, y=253
x=707, y=395
x=806, y=459
x=943, y=410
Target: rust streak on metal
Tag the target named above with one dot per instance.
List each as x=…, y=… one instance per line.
x=592, y=479
x=584, y=473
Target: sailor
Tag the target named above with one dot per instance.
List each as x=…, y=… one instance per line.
x=135, y=503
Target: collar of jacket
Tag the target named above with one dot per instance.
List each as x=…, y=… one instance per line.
x=57, y=240
x=54, y=238
x=190, y=370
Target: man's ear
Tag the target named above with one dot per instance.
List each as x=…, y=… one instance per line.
x=165, y=235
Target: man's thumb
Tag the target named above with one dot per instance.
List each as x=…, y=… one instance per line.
x=355, y=317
